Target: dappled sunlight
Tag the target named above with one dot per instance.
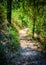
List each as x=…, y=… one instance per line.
x=22, y=32
x=28, y=44
x=28, y=47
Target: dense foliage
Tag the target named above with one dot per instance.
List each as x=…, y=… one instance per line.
x=19, y=14
x=31, y=14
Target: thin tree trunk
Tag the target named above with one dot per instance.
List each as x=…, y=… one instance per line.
x=9, y=10
x=33, y=18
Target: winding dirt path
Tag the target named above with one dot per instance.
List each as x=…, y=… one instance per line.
x=30, y=51
x=28, y=46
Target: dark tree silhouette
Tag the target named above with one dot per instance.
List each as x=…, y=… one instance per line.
x=33, y=18
x=9, y=10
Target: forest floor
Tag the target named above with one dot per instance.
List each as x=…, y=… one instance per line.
x=30, y=51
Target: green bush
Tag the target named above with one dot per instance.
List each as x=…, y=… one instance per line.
x=13, y=40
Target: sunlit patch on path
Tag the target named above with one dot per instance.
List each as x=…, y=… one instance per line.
x=28, y=47
x=22, y=33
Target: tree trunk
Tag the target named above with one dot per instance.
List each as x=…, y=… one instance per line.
x=33, y=19
x=9, y=10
